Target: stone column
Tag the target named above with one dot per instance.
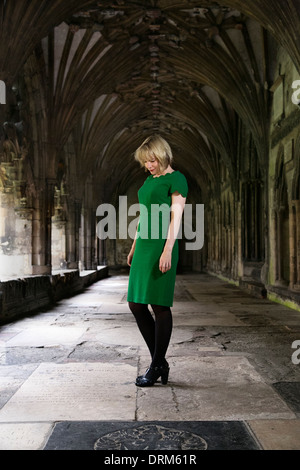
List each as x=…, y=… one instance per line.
x=239, y=239
x=102, y=252
x=293, y=241
x=219, y=238
x=81, y=241
x=72, y=234
x=278, y=246
x=41, y=230
x=58, y=245
x=294, y=245
x=88, y=240
x=297, y=243
x=210, y=238
x=272, y=274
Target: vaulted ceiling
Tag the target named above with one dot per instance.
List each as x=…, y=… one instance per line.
x=117, y=71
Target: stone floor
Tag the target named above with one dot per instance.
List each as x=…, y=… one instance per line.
x=67, y=374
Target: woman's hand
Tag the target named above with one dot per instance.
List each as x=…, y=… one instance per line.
x=129, y=258
x=131, y=253
x=178, y=202
x=165, y=261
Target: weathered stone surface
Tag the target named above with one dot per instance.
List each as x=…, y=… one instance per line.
x=11, y=378
x=86, y=391
x=47, y=336
x=277, y=434
x=224, y=372
x=24, y=436
x=219, y=388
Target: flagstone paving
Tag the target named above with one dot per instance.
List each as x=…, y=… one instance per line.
x=72, y=368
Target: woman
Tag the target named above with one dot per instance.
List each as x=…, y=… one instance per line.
x=153, y=257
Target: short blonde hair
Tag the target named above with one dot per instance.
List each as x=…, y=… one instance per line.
x=154, y=146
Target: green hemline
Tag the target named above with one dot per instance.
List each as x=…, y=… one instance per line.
x=149, y=303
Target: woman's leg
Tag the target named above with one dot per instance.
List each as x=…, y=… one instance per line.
x=159, y=366
x=163, y=331
x=146, y=324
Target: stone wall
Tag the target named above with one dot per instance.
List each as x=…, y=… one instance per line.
x=253, y=227
x=283, y=182
x=21, y=297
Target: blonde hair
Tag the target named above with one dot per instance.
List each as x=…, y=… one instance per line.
x=154, y=146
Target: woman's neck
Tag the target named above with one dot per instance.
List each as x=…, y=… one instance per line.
x=169, y=169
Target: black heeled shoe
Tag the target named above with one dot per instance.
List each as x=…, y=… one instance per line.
x=152, y=375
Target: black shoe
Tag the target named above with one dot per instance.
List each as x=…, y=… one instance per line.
x=165, y=365
x=152, y=375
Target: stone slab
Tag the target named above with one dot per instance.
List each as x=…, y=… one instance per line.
x=72, y=391
x=147, y=436
x=24, y=436
x=93, y=299
x=47, y=336
x=290, y=392
x=277, y=434
x=115, y=309
x=198, y=307
x=129, y=335
x=209, y=389
x=11, y=378
x=207, y=319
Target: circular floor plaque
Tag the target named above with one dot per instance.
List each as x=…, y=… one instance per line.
x=150, y=437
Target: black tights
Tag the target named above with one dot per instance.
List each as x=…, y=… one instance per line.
x=156, y=333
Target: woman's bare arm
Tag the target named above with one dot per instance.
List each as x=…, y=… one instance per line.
x=177, y=208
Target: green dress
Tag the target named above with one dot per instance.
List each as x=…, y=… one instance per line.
x=147, y=284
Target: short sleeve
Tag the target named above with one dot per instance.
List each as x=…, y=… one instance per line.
x=179, y=183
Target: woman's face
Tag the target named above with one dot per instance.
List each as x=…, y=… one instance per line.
x=152, y=165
